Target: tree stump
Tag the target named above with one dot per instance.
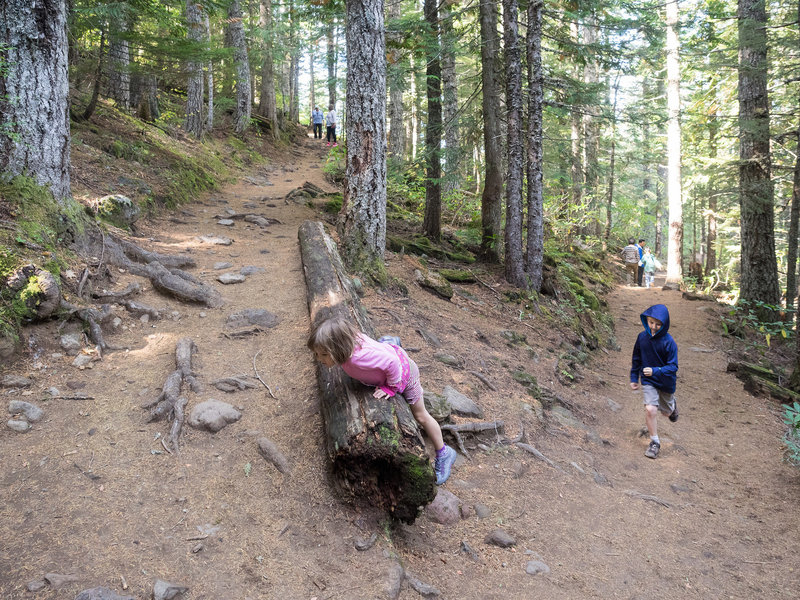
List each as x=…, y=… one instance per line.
x=375, y=447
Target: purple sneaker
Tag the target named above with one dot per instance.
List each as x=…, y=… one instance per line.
x=443, y=464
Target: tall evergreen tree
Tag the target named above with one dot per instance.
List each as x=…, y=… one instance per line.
x=34, y=84
x=362, y=220
x=674, y=189
x=758, y=262
x=432, y=224
x=242, y=89
x=535, y=246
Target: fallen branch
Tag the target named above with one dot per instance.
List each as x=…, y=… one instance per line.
x=539, y=455
x=259, y=376
x=483, y=379
x=648, y=498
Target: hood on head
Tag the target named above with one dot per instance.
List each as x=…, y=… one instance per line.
x=660, y=312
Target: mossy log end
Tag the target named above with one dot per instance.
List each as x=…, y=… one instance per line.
x=761, y=381
x=375, y=447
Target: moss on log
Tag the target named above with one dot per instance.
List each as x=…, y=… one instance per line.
x=375, y=447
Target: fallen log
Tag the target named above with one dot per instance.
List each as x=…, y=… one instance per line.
x=376, y=451
x=761, y=381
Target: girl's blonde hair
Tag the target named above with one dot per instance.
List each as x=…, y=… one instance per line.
x=335, y=336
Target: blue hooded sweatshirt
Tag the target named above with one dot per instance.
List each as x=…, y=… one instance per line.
x=659, y=351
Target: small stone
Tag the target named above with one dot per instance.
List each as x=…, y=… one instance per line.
x=251, y=270
x=460, y=404
x=116, y=323
x=614, y=406
x=145, y=318
x=423, y=589
x=32, y=412
x=231, y=278
x=197, y=548
x=225, y=222
x=36, y=585
x=361, y=544
x=483, y=511
x=18, y=425
x=71, y=343
x=56, y=580
x=101, y=593
x=81, y=360
x=53, y=391
x=444, y=509
x=394, y=580
x=534, y=567
x=213, y=415
x=163, y=590
x=467, y=549
x=252, y=316
x=219, y=266
x=216, y=240
x=447, y=359
x=203, y=314
x=499, y=537
x=15, y=381
x=467, y=511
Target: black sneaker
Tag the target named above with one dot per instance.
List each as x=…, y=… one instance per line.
x=652, y=450
x=674, y=416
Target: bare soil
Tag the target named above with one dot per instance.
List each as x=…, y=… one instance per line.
x=90, y=491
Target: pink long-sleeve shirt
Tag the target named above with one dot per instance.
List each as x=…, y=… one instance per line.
x=378, y=364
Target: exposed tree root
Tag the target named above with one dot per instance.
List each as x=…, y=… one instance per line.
x=170, y=403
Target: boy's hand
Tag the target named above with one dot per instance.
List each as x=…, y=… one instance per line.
x=634, y=385
x=379, y=393
x=647, y=371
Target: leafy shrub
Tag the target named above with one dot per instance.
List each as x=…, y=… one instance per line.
x=791, y=416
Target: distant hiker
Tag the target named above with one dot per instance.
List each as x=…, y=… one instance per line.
x=317, y=117
x=388, y=368
x=649, y=264
x=330, y=121
x=655, y=362
x=630, y=256
x=640, y=272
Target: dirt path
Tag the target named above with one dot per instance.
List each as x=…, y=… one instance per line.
x=90, y=492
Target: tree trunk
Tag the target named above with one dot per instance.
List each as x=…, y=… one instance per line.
x=759, y=266
x=674, y=194
x=591, y=129
x=294, y=66
x=98, y=78
x=611, y=165
x=432, y=223
x=239, y=45
x=395, y=78
x=195, y=31
x=210, y=80
x=452, y=153
x=535, y=247
x=514, y=268
x=267, y=103
x=375, y=446
x=34, y=106
x=362, y=220
x=331, y=58
x=119, y=75
x=791, y=251
x=576, y=166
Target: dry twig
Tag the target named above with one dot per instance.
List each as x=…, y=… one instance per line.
x=259, y=376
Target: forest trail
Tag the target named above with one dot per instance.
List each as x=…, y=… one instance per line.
x=90, y=492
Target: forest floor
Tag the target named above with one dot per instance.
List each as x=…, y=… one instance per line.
x=89, y=492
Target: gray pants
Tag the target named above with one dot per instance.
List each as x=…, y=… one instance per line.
x=663, y=400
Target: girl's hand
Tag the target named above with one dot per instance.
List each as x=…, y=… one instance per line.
x=379, y=393
x=647, y=371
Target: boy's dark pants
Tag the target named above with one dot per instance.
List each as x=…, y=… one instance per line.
x=639, y=275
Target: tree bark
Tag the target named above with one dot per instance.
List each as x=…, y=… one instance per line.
x=268, y=106
x=535, y=247
x=759, y=266
x=210, y=80
x=591, y=128
x=374, y=446
x=674, y=192
x=195, y=31
x=452, y=154
x=242, y=67
x=331, y=59
x=362, y=220
x=98, y=78
x=432, y=223
x=791, y=251
x=34, y=119
x=119, y=60
x=395, y=78
x=514, y=267
x=491, y=199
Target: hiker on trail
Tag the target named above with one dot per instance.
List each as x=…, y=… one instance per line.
x=655, y=362
x=317, y=117
x=330, y=121
x=388, y=368
x=630, y=256
x=640, y=271
x=649, y=264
